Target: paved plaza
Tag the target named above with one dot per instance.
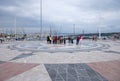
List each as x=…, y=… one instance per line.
x=39, y=61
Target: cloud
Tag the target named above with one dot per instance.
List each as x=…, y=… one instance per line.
x=86, y=14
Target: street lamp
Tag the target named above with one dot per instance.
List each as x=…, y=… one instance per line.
x=15, y=27
x=40, y=19
x=99, y=30
x=74, y=29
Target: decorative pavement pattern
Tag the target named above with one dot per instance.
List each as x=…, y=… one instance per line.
x=99, y=63
x=9, y=69
x=52, y=48
x=112, y=52
x=22, y=56
x=2, y=62
x=110, y=70
x=97, y=71
x=73, y=72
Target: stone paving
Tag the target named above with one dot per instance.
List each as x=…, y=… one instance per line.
x=8, y=69
x=73, y=72
x=36, y=46
x=99, y=63
x=109, y=70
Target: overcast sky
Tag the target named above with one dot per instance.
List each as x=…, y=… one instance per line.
x=61, y=15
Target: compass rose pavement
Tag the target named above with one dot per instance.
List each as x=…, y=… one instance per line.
x=101, y=63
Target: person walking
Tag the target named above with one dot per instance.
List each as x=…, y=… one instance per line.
x=50, y=37
x=79, y=38
x=69, y=39
x=48, y=40
x=64, y=39
x=54, y=39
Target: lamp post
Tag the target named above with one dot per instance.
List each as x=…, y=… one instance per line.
x=40, y=19
x=15, y=27
x=101, y=23
x=74, y=29
x=50, y=31
x=99, y=33
x=83, y=32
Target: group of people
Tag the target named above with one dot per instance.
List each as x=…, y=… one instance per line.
x=94, y=38
x=62, y=39
x=56, y=40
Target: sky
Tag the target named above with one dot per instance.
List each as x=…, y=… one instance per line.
x=63, y=16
